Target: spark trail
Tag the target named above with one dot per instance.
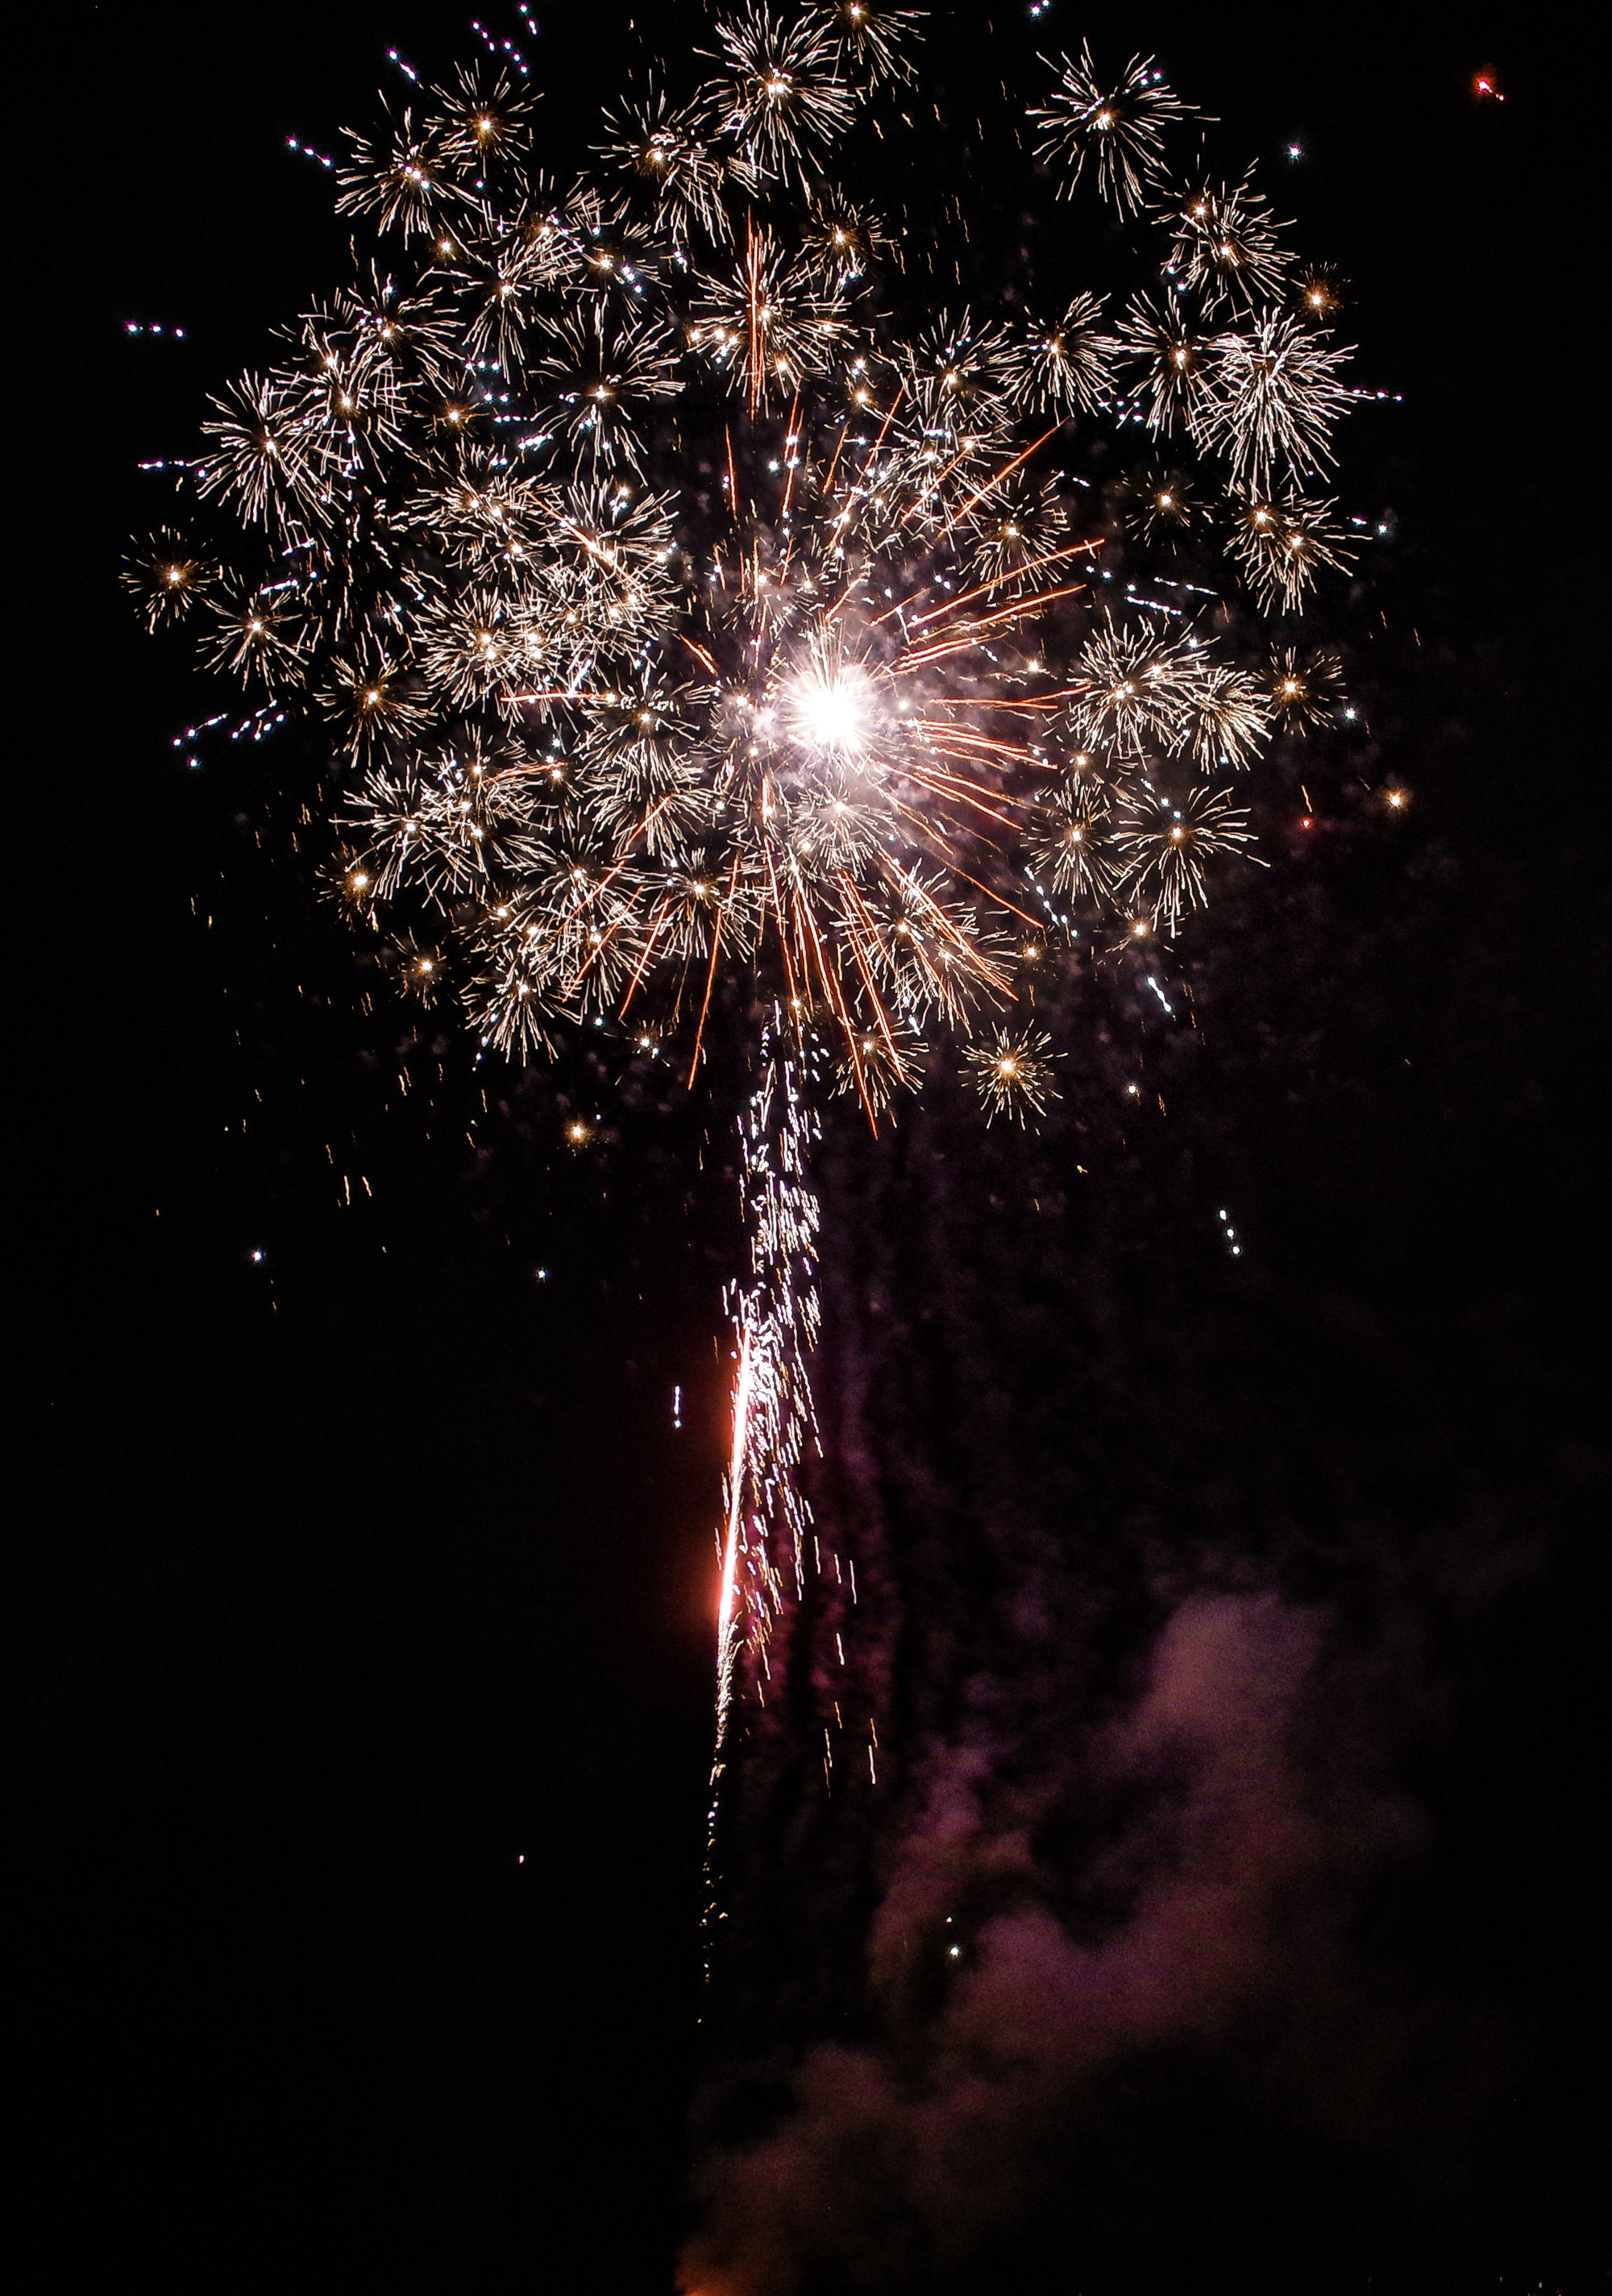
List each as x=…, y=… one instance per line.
x=764, y=1550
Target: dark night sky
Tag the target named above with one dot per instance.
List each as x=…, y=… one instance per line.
x=363, y=1573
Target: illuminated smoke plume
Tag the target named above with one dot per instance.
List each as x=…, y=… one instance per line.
x=997, y=2012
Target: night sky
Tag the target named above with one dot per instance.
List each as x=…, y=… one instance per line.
x=366, y=1707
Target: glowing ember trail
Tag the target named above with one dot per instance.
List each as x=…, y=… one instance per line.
x=729, y=1545
x=768, y=1544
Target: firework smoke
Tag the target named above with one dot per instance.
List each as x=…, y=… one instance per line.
x=998, y=2014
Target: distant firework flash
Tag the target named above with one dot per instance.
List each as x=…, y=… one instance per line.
x=695, y=603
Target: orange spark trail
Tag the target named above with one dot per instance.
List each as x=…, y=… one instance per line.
x=726, y=1638
x=992, y=484
x=1015, y=574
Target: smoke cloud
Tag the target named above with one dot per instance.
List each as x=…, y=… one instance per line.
x=1208, y=1911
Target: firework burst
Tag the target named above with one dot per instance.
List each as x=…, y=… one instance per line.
x=690, y=600
x=633, y=479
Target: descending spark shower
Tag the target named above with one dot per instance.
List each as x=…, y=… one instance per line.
x=698, y=607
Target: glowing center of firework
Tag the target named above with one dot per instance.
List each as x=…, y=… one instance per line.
x=830, y=711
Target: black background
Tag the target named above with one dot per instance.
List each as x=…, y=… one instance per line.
x=365, y=1714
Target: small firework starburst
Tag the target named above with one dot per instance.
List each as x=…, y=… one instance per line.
x=167, y=577
x=1306, y=687
x=1013, y=1074
x=1118, y=124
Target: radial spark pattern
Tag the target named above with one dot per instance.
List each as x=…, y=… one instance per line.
x=687, y=594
